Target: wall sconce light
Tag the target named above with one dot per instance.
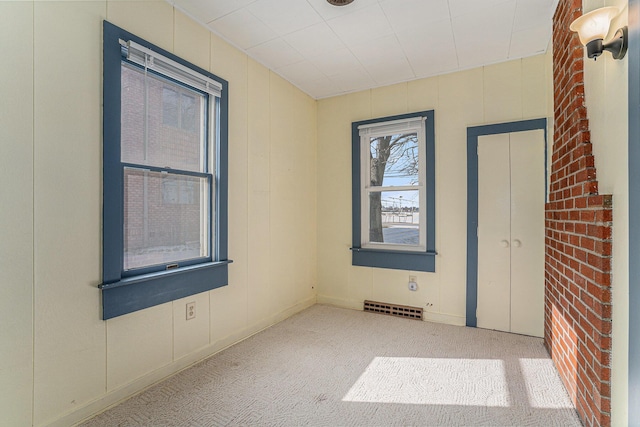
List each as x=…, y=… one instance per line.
x=593, y=27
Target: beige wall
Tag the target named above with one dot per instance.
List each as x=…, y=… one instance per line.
x=59, y=361
x=16, y=222
x=606, y=96
x=506, y=92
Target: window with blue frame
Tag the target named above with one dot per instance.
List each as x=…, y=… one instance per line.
x=393, y=190
x=164, y=176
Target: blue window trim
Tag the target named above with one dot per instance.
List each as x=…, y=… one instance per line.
x=472, y=198
x=634, y=212
x=122, y=295
x=400, y=260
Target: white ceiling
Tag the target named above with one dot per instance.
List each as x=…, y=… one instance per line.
x=327, y=50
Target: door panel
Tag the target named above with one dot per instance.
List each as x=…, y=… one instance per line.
x=511, y=192
x=527, y=232
x=494, y=205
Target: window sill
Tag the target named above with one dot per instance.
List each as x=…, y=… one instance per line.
x=139, y=292
x=398, y=260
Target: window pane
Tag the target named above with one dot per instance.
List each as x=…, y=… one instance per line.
x=166, y=218
x=394, y=160
x=189, y=112
x=170, y=115
x=173, y=134
x=394, y=217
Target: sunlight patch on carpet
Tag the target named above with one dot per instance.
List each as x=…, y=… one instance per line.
x=427, y=381
x=537, y=375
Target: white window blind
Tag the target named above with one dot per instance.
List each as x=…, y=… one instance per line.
x=391, y=127
x=165, y=66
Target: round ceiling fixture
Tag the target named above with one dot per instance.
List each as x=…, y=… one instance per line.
x=339, y=2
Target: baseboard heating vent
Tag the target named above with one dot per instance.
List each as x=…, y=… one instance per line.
x=393, y=309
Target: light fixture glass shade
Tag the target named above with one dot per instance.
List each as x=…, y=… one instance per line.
x=595, y=24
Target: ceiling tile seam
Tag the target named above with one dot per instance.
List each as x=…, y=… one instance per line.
x=275, y=30
x=316, y=11
x=415, y=75
x=230, y=12
x=395, y=36
x=323, y=74
x=453, y=33
x=513, y=22
x=304, y=57
x=359, y=63
x=282, y=39
x=326, y=21
x=460, y=69
x=347, y=47
x=243, y=51
x=365, y=68
x=209, y=29
x=320, y=14
x=276, y=37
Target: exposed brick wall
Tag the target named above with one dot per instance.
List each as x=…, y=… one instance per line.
x=578, y=239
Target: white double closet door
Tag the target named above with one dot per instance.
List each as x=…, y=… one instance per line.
x=511, y=197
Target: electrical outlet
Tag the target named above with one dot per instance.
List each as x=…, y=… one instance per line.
x=413, y=283
x=191, y=310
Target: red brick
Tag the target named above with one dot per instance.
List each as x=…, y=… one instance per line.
x=578, y=236
x=587, y=243
x=599, y=231
x=580, y=255
x=590, y=187
x=587, y=216
x=605, y=215
x=568, y=238
x=581, y=203
x=599, y=262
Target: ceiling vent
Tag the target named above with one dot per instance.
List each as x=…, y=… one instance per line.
x=339, y=2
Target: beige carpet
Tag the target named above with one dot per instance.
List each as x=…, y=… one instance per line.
x=333, y=367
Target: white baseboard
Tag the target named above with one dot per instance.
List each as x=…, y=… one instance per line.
x=340, y=302
x=448, y=319
x=138, y=385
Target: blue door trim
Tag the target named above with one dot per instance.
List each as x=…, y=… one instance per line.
x=472, y=199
